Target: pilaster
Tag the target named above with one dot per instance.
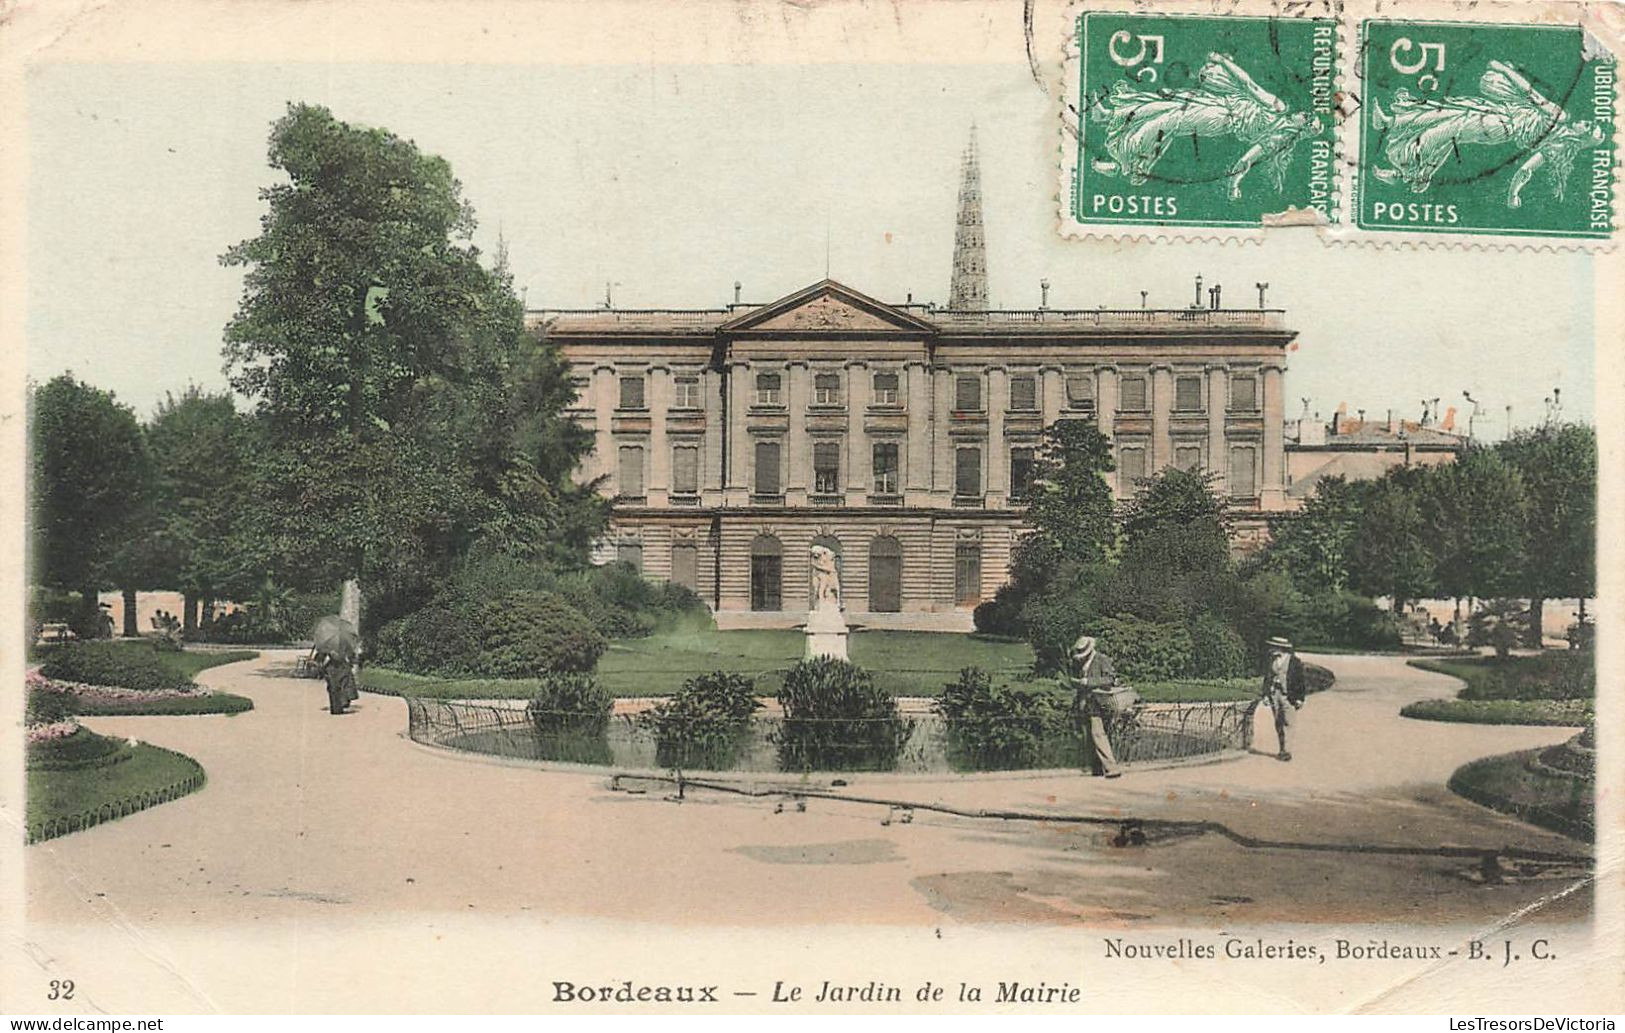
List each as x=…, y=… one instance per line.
x=1218, y=404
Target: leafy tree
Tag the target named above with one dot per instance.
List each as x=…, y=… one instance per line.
x=1476, y=510
x=201, y=451
x=1557, y=464
x=1388, y=554
x=1311, y=547
x=1071, y=511
x=89, y=469
x=1178, y=510
x=410, y=413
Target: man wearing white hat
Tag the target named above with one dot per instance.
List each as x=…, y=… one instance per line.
x=1284, y=688
x=1092, y=673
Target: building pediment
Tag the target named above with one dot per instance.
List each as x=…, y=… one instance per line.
x=828, y=307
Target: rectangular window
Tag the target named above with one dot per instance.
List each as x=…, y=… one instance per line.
x=1187, y=394
x=1080, y=391
x=885, y=388
x=1188, y=457
x=685, y=470
x=885, y=462
x=767, y=468
x=826, y=468
x=1021, y=473
x=1130, y=466
x=687, y=393
x=967, y=472
x=630, y=553
x=631, y=471
x=1023, y=393
x=1243, y=478
x=769, y=389
x=827, y=389
x=581, y=386
x=968, y=394
x=632, y=392
x=1131, y=394
x=967, y=573
x=685, y=565
x=1244, y=394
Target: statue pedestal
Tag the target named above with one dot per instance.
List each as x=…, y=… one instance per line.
x=827, y=631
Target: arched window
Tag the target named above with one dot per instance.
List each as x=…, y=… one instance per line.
x=766, y=573
x=885, y=575
x=833, y=544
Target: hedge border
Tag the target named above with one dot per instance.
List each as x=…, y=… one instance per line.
x=52, y=828
x=1531, y=813
x=172, y=706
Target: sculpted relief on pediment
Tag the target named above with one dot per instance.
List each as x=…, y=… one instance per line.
x=826, y=313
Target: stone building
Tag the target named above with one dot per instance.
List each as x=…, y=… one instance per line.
x=900, y=436
x=1358, y=449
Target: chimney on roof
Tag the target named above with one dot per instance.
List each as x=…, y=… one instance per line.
x=1043, y=294
x=1218, y=291
x=1449, y=418
x=1361, y=412
x=1393, y=424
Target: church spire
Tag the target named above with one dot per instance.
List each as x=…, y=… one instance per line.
x=968, y=289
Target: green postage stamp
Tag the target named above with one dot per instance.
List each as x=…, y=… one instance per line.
x=1194, y=120
x=1485, y=129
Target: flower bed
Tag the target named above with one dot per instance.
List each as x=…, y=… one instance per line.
x=84, y=699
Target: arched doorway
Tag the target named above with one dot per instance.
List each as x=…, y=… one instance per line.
x=766, y=573
x=885, y=575
x=833, y=544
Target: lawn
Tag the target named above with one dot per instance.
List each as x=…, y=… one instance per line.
x=127, y=779
x=1563, y=803
x=905, y=663
x=1553, y=688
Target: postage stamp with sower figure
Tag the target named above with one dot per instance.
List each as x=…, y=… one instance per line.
x=1485, y=129
x=1188, y=120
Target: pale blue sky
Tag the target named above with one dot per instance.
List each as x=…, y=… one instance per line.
x=673, y=182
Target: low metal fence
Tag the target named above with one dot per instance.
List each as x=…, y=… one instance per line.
x=51, y=828
x=920, y=743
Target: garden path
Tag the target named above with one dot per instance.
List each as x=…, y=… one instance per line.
x=308, y=816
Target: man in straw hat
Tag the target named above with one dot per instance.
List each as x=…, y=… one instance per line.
x=1093, y=676
x=1284, y=688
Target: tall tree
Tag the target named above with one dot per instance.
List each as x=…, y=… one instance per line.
x=384, y=356
x=89, y=472
x=1476, y=515
x=1558, y=466
x=1311, y=546
x=201, y=454
x=1388, y=554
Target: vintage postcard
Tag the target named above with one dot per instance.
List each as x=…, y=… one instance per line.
x=855, y=507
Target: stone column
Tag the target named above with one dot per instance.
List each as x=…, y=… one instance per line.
x=1052, y=393
x=711, y=452
x=916, y=472
x=859, y=389
x=1272, y=488
x=942, y=415
x=995, y=483
x=1218, y=404
x=605, y=396
x=1106, y=411
x=1162, y=403
x=1106, y=399
x=739, y=394
x=658, y=490
x=798, y=461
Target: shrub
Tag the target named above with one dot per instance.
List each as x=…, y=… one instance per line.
x=836, y=718
x=1146, y=650
x=527, y=634
x=1503, y=624
x=1217, y=650
x=570, y=714
x=997, y=727
x=1342, y=620
x=125, y=666
x=704, y=722
x=518, y=634
x=1500, y=711
x=82, y=749
x=44, y=707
